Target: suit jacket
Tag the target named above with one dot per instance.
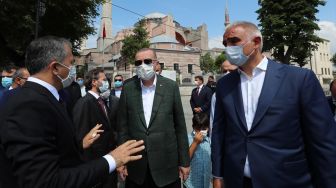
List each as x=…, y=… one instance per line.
x=203, y=99
x=70, y=95
x=113, y=104
x=166, y=139
x=331, y=104
x=2, y=91
x=38, y=146
x=292, y=139
x=87, y=113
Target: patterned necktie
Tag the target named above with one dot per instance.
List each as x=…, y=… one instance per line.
x=102, y=105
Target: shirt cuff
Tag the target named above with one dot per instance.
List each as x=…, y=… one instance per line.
x=111, y=162
x=217, y=177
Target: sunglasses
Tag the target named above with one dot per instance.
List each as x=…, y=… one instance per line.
x=146, y=61
x=117, y=80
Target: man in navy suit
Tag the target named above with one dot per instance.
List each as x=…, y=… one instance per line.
x=272, y=126
x=200, y=99
x=332, y=99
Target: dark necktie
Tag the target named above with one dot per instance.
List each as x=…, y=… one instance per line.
x=102, y=105
x=197, y=91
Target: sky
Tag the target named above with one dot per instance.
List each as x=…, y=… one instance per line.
x=193, y=13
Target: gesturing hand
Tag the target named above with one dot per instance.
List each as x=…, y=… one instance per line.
x=92, y=136
x=124, y=153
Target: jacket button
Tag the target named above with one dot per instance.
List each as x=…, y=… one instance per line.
x=147, y=133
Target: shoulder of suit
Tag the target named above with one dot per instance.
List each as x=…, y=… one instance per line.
x=166, y=80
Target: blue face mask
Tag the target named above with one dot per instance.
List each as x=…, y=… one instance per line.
x=80, y=82
x=118, y=83
x=236, y=56
x=6, y=82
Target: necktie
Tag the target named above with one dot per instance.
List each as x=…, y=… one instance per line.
x=198, y=90
x=102, y=105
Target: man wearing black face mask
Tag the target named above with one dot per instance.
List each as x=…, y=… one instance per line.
x=37, y=142
x=272, y=125
x=150, y=108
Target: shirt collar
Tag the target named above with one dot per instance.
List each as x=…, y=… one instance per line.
x=153, y=85
x=262, y=66
x=94, y=94
x=48, y=86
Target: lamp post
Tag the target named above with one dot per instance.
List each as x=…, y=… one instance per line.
x=40, y=10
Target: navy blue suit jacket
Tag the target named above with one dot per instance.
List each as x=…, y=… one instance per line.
x=292, y=141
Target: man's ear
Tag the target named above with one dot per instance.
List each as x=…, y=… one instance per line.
x=257, y=41
x=53, y=66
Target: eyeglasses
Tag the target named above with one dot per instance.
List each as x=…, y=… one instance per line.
x=146, y=61
x=23, y=78
x=117, y=80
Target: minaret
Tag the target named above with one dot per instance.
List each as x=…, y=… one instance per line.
x=105, y=22
x=227, y=18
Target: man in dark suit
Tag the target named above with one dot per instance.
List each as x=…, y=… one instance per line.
x=37, y=143
x=6, y=78
x=200, y=100
x=332, y=99
x=90, y=111
x=150, y=108
x=118, y=85
x=211, y=83
x=272, y=124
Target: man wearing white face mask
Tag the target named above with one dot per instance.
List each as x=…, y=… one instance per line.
x=92, y=110
x=150, y=108
x=37, y=142
x=272, y=125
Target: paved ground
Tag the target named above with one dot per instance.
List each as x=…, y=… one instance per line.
x=185, y=97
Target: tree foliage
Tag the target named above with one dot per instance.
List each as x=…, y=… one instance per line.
x=288, y=28
x=135, y=42
x=69, y=19
x=333, y=59
x=218, y=62
x=207, y=64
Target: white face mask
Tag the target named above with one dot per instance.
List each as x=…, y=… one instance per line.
x=71, y=76
x=236, y=56
x=145, y=72
x=104, y=87
x=105, y=95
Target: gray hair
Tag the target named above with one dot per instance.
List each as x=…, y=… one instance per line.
x=253, y=30
x=18, y=73
x=147, y=49
x=42, y=51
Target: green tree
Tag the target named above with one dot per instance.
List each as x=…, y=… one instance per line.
x=135, y=42
x=288, y=28
x=69, y=19
x=333, y=59
x=207, y=63
x=218, y=62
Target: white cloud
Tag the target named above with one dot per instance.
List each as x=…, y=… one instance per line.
x=328, y=31
x=216, y=42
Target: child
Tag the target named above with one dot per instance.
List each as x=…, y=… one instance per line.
x=199, y=152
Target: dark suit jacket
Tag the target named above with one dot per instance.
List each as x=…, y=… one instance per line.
x=203, y=99
x=292, y=139
x=331, y=104
x=113, y=104
x=87, y=113
x=70, y=95
x=165, y=139
x=2, y=91
x=38, y=146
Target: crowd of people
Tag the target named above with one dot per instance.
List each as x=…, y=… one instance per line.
x=263, y=124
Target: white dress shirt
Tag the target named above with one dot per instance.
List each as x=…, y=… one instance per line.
x=54, y=92
x=148, y=99
x=251, y=89
x=117, y=93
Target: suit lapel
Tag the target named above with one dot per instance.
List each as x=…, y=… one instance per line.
x=159, y=92
x=238, y=99
x=101, y=112
x=139, y=103
x=272, y=81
